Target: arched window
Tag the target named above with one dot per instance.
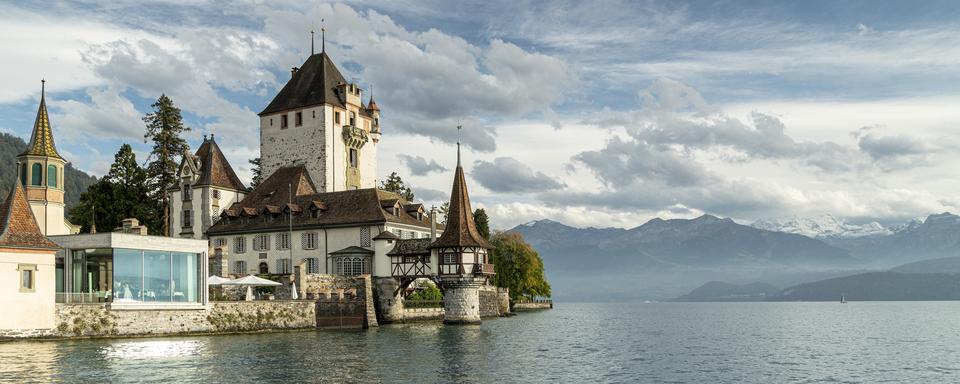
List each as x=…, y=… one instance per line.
x=52, y=176
x=36, y=174
x=264, y=268
x=23, y=173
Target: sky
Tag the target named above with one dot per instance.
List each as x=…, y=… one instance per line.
x=602, y=114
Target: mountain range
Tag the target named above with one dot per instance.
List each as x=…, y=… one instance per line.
x=666, y=258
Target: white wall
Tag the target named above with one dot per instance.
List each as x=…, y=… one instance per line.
x=202, y=208
x=27, y=310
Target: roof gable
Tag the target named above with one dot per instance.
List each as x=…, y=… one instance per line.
x=18, y=227
x=314, y=83
x=215, y=170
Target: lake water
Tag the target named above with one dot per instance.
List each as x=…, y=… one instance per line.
x=662, y=342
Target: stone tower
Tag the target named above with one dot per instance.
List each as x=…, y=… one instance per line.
x=319, y=120
x=461, y=253
x=41, y=171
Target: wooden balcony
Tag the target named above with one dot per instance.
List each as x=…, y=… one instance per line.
x=483, y=269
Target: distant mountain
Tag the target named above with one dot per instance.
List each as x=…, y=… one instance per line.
x=666, y=258
x=942, y=265
x=822, y=226
x=720, y=291
x=937, y=236
x=885, y=286
x=76, y=181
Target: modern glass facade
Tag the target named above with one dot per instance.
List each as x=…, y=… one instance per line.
x=130, y=276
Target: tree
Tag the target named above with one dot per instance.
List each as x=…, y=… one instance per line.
x=445, y=211
x=164, y=127
x=483, y=222
x=395, y=184
x=257, y=172
x=518, y=267
x=122, y=193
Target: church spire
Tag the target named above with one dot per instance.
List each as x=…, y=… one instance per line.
x=41, y=140
x=460, y=230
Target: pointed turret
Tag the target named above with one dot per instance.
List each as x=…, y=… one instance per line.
x=460, y=231
x=41, y=140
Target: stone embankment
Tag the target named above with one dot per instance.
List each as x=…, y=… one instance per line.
x=532, y=305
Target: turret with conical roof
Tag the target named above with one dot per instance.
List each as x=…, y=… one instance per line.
x=41, y=171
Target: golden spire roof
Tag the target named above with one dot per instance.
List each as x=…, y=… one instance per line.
x=41, y=140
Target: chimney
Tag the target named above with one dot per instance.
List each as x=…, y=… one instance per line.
x=433, y=223
x=131, y=225
x=293, y=71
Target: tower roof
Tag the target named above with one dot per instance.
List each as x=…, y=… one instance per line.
x=41, y=140
x=314, y=83
x=215, y=170
x=373, y=105
x=460, y=231
x=18, y=227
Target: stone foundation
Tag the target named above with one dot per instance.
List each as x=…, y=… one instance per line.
x=461, y=300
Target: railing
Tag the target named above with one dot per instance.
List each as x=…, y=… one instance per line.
x=64, y=297
x=423, y=303
x=483, y=269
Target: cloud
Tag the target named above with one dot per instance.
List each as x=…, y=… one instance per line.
x=419, y=166
x=892, y=152
x=508, y=175
x=108, y=115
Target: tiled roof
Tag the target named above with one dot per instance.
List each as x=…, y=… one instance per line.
x=460, y=231
x=410, y=247
x=41, y=140
x=353, y=250
x=18, y=227
x=386, y=235
x=342, y=208
x=314, y=83
x=215, y=170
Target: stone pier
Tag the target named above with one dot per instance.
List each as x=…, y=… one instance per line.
x=461, y=300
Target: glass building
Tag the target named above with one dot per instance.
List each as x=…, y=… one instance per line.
x=123, y=268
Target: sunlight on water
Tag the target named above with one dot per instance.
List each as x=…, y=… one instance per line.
x=150, y=349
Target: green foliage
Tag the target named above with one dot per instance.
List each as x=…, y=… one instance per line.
x=427, y=292
x=75, y=181
x=257, y=172
x=518, y=267
x=483, y=222
x=445, y=211
x=164, y=127
x=395, y=184
x=124, y=192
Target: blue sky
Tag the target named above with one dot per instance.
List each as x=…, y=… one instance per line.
x=590, y=113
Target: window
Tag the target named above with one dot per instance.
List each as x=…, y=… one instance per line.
x=353, y=157
x=351, y=266
x=216, y=193
x=314, y=113
x=313, y=265
x=353, y=119
x=28, y=273
x=283, y=121
x=219, y=242
x=239, y=244
x=308, y=240
x=52, y=176
x=283, y=266
x=271, y=122
x=23, y=174
x=261, y=243
x=298, y=119
x=364, y=236
x=376, y=121
x=336, y=117
x=450, y=258
x=264, y=268
x=186, y=218
x=283, y=241
x=240, y=267
x=36, y=174
x=187, y=195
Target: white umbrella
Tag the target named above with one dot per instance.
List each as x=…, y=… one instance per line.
x=252, y=281
x=293, y=291
x=217, y=280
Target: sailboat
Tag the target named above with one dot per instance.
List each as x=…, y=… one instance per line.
x=843, y=300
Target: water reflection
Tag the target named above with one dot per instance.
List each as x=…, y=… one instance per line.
x=151, y=349
x=32, y=361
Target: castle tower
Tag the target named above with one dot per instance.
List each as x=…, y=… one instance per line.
x=207, y=186
x=319, y=120
x=41, y=171
x=461, y=257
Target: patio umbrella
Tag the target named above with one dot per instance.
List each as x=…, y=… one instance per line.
x=293, y=291
x=251, y=281
x=216, y=280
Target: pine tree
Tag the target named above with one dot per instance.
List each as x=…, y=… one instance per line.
x=482, y=221
x=395, y=184
x=164, y=127
x=123, y=193
x=257, y=172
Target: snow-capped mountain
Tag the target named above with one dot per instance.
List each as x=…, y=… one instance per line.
x=821, y=226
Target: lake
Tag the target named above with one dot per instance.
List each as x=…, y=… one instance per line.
x=866, y=342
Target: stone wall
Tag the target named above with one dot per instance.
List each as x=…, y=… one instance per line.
x=95, y=320
x=341, y=300
x=533, y=305
x=489, y=304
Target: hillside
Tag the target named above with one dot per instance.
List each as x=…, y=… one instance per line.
x=886, y=286
x=941, y=265
x=721, y=291
x=76, y=181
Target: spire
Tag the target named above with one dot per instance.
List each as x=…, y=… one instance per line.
x=311, y=42
x=460, y=230
x=323, y=38
x=41, y=140
x=372, y=105
x=459, y=127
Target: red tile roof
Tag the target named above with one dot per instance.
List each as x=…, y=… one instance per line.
x=18, y=227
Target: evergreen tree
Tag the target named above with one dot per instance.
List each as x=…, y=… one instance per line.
x=445, y=211
x=518, y=267
x=164, y=127
x=257, y=172
x=395, y=184
x=121, y=194
x=483, y=222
